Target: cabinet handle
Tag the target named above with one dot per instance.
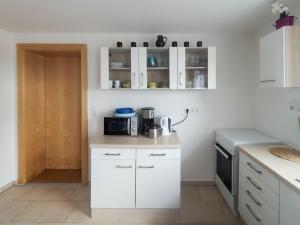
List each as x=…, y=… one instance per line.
x=253, y=214
x=158, y=154
x=254, y=184
x=123, y=167
x=180, y=78
x=133, y=80
x=112, y=154
x=253, y=198
x=252, y=167
x=142, y=79
x=265, y=81
x=145, y=167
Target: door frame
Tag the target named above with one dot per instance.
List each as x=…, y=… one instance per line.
x=55, y=48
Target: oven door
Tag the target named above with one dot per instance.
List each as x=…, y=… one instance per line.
x=224, y=166
x=116, y=126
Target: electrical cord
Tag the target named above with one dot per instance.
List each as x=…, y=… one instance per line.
x=186, y=116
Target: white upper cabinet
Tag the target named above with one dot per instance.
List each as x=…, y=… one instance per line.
x=158, y=68
x=280, y=58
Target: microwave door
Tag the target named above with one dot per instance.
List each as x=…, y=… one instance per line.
x=116, y=126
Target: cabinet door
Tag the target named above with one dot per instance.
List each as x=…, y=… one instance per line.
x=211, y=68
x=289, y=206
x=181, y=68
x=143, y=68
x=135, y=68
x=272, y=60
x=158, y=184
x=104, y=74
x=173, y=68
x=113, y=184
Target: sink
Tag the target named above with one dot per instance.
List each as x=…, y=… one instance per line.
x=286, y=153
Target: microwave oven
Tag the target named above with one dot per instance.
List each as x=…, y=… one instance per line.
x=121, y=126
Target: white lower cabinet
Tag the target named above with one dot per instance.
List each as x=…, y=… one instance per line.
x=158, y=183
x=289, y=206
x=135, y=178
x=258, y=193
x=113, y=184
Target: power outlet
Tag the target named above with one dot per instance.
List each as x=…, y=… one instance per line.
x=192, y=110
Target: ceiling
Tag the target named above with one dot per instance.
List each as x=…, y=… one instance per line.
x=134, y=16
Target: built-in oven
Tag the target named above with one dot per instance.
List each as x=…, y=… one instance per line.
x=224, y=166
x=121, y=126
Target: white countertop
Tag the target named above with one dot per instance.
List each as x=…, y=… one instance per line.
x=285, y=170
x=110, y=141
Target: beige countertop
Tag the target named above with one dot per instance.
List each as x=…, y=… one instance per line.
x=285, y=170
x=109, y=141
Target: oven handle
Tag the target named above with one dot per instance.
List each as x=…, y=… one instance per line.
x=220, y=150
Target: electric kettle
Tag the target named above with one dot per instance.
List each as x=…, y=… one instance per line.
x=166, y=125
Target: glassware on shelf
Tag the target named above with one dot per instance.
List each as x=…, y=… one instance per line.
x=189, y=84
x=199, y=79
x=151, y=61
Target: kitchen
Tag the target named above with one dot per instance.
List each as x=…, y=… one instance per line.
x=237, y=102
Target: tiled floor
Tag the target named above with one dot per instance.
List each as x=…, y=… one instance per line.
x=55, y=204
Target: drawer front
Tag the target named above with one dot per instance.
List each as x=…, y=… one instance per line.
x=158, y=154
x=250, y=194
x=249, y=213
x=112, y=153
x=270, y=197
x=264, y=175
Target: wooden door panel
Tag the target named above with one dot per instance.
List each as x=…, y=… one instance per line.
x=34, y=125
x=63, y=112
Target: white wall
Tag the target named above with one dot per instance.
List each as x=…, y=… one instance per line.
x=229, y=106
x=7, y=110
x=272, y=106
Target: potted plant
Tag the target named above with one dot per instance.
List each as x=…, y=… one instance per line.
x=278, y=7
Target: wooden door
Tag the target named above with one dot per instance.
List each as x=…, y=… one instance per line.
x=63, y=112
x=34, y=111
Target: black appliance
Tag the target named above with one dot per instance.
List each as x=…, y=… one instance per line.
x=147, y=119
x=121, y=126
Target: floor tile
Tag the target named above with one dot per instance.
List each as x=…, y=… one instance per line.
x=45, y=211
x=11, y=208
x=81, y=193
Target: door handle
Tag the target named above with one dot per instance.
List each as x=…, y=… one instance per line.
x=254, y=184
x=253, y=198
x=112, y=154
x=158, y=154
x=253, y=168
x=123, y=167
x=180, y=78
x=133, y=80
x=146, y=167
x=142, y=79
x=253, y=214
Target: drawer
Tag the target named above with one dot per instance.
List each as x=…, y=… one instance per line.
x=112, y=153
x=250, y=194
x=270, y=197
x=158, y=154
x=249, y=213
x=264, y=175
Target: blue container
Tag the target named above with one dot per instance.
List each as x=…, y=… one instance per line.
x=124, y=110
x=151, y=61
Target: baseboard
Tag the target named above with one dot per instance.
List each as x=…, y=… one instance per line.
x=5, y=187
x=198, y=183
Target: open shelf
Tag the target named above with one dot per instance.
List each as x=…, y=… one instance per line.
x=121, y=68
x=196, y=68
x=158, y=68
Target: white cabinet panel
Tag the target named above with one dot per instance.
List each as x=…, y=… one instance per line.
x=272, y=59
x=143, y=67
x=113, y=184
x=211, y=68
x=104, y=59
x=173, y=67
x=181, y=68
x=158, y=183
x=135, y=68
x=289, y=206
